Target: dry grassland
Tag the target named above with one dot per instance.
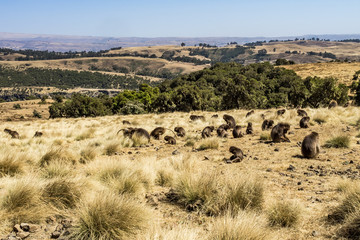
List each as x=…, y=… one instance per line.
x=113, y=187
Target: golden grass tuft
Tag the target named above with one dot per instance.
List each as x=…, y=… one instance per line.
x=265, y=136
x=86, y=135
x=349, y=204
x=164, y=177
x=110, y=216
x=210, y=143
x=88, y=154
x=56, y=169
x=284, y=214
x=57, y=154
x=342, y=141
x=11, y=164
x=351, y=227
x=112, y=148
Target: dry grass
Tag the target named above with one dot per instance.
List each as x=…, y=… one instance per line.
x=338, y=142
x=11, y=164
x=284, y=214
x=210, y=143
x=58, y=154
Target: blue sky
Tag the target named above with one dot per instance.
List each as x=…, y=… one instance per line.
x=173, y=18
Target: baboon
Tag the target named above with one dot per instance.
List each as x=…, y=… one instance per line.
x=237, y=132
x=14, y=134
x=278, y=132
x=215, y=116
x=237, y=156
x=249, y=113
x=138, y=132
x=267, y=124
x=332, y=104
x=206, y=132
x=310, y=146
x=304, y=122
x=224, y=126
x=180, y=131
x=221, y=132
x=170, y=140
x=126, y=122
x=229, y=120
x=262, y=116
x=281, y=112
x=38, y=134
x=157, y=132
x=196, y=117
x=302, y=113
x=249, y=129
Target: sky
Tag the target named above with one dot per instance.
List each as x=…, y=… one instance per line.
x=186, y=18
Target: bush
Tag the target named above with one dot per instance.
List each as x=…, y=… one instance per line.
x=17, y=106
x=284, y=214
x=338, y=142
x=36, y=114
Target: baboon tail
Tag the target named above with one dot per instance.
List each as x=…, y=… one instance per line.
x=119, y=131
x=172, y=132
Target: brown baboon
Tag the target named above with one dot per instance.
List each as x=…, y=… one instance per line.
x=215, y=116
x=264, y=125
x=270, y=124
x=14, y=134
x=229, y=120
x=281, y=112
x=180, y=131
x=302, y=113
x=249, y=129
x=38, y=134
x=206, y=132
x=249, y=113
x=237, y=132
x=278, y=132
x=304, y=122
x=157, y=132
x=196, y=117
x=237, y=156
x=221, y=132
x=332, y=104
x=310, y=146
x=224, y=126
x=138, y=132
x=170, y=140
x=126, y=122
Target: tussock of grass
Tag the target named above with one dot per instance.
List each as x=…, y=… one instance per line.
x=56, y=169
x=86, y=135
x=245, y=225
x=112, y=148
x=138, y=141
x=10, y=165
x=265, y=136
x=210, y=143
x=109, y=216
x=88, y=154
x=190, y=143
x=178, y=232
x=284, y=214
x=62, y=193
x=349, y=204
x=351, y=227
x=319, y=120
x=58, y=154
x=338, y=142
x=164, y=177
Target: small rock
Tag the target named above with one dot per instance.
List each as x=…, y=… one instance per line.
x=66, y=223
x=299, y=183
x=276, y=149
x=55, y=234
x=142, y=145
x=33, y=228
x=25, y=227
x=206, y=158
x=301, y=189
x=291, y=168
x=358, y=142
x=23, y=235
x=129, y=152
x=17, y=228
x=176, y=152
x=256, y=158
x=314, y=234
x=269, y=170
x=351, y=162
x=228, y=161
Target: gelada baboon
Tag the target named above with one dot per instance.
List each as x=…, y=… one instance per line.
x=14, y=134
x=221, y=132
x=215, y=116
x=249, y=129
x=157, y=132
x=310, y=146
x=237, y=132
x=278, y=132
x=206, y=132
x=180, y=131
x=280, y=112
x=137, y=132
x=267, y=124
x=38, y=134
x=126, y=122
x=170, y=140
x=332, y=104
x=237, y=156
x=249, y=113
x=229, y=120
x=304, y=122
x=196, y=117
x=302, y=113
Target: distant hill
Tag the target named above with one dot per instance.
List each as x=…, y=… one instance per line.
x=88, y=43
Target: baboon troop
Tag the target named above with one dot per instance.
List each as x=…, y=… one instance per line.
x=278, y=132
x=126, y=122
x=38, y=134
x=250, y=113
x=310, y=146
x=280, y=112
x=229, y=120
x=137, y=132
x=14, y=134
x=302, y=113
x=249, y=129
x=237, y=132
x=180, y=131
x=267, y=124
x=196, y=117
x=170, y=140
x=304, y=122
x=238, y=154
x=206, y=132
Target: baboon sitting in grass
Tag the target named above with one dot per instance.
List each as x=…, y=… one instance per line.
x=281, y=112
x=180, y=131
x=267, y=124
x=278, y=132
x=237, y=132
x=230, y=120
x=304, y=122
x=206, y=132
x=196, y=117
x=170, y=140
x=249, y=129
x=14, y=134
x=310, y=146
x=302, y=113
x=38, y=134
x=135, y=132
x=221, y=132
x=157, y=132
x=238, y=154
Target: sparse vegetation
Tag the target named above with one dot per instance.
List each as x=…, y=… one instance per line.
x=338, y=142
x=284, y=214
x=211, y=143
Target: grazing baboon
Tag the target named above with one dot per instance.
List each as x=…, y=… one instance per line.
x=304, y=122
x=196, y=117
x=138, y=132
x=278, y=132
x=221, y=132
x=224, y=126
x=170, y=140
x=38, y=134
x=206, y=132
x=249, y=113
x=237, y=132
x=126, y=122
x=215, y=116
x=249, y=129
x=180, y=131
x=14, y=134
x=264, y=125
x=237, y=156
x=302, y=113
x=157, y=132
x=281, y=112
x=332, y=104
x=310, y=146
x=229, y=120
